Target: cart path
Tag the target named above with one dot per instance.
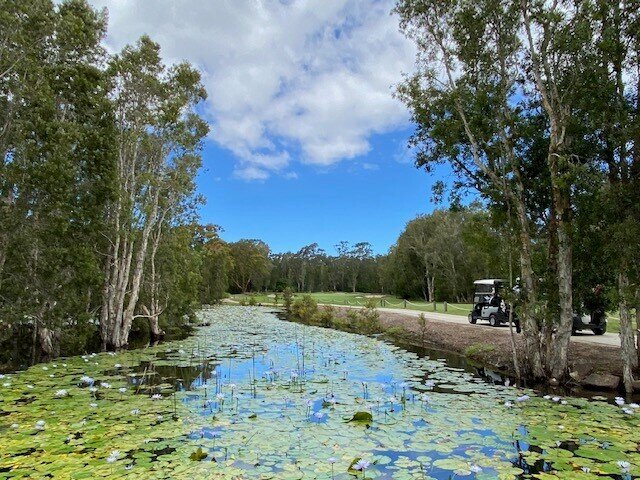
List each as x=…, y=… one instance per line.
x=608, y=339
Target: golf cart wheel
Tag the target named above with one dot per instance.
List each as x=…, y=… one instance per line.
x=493, y=320
x=472, y=320
x=600, y=330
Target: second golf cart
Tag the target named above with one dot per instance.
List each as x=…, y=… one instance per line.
x=488, y=305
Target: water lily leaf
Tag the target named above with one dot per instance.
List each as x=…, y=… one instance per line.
x=198, y=455
x=362, y=417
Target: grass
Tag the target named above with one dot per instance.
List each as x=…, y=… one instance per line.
x=360, y=299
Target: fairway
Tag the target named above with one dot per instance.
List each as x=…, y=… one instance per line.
x=361, y=299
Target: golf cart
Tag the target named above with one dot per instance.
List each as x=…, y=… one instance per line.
x=488, y=305
x=592, y=315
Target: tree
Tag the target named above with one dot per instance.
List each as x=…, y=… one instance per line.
x=159, y=137
x=251, y=264
x=57, y=168
x=475, y=106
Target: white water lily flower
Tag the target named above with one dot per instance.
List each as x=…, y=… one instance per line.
x=523, y=398
x=45, y=368
x=160, y=418
x=508, y=404
x=634, y=405
x=86, y=379
x=430, y=383
x=556, y=399
x=105, y=385
x=332, y=460
x=563, y=402
x=220, y=396
x=15, y=426
x=318, y=415
x=30, y=387
x=392, y=399
x=51, y=376
x=156, y=396
x=475, y=468
x=619, y=401
x=624, y=466
x=40, y=424
x=113, y=456
x=93, y=389
x=586, y=469
x=6, y=384
x=362, y=464
x=62, y=393
x=135, y=411
x=628, y=411
x=117, y=365
x=1, y=375
x=547, y=397
x=122, y=390
x=93, y=405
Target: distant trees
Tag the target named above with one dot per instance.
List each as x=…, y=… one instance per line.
x=250, y=265
x=438, y=256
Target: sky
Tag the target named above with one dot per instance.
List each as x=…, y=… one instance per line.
x=307, y=142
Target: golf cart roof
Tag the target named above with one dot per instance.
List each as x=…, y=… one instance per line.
x=489, y=281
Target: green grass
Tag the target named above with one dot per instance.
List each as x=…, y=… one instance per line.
x=360, y=299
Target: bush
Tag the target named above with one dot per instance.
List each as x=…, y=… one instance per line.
x=287, y=297
x=369, y=318
x=305, y=309
x=326, y=316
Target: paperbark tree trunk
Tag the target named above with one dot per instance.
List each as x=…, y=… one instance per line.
x=627, y=337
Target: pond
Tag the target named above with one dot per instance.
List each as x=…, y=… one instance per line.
x=252, y=396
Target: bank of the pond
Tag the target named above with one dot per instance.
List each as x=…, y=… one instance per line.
x=490, y=346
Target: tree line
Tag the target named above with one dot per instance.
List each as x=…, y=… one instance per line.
x=436, y=257
x=534, y=104
x=99, y=154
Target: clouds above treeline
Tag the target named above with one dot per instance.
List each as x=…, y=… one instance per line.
x=289, y=81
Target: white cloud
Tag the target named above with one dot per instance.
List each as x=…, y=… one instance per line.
x=305, y=79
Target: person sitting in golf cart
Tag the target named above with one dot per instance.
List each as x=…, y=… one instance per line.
x=489, y=305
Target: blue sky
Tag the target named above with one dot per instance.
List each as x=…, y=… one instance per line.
x=345, y=201
x=307, y=142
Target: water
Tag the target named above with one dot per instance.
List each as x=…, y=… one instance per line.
x=253, y=396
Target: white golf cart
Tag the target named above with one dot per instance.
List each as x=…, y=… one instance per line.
x=488, y=305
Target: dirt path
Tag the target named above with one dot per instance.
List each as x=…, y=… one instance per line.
x=608, y=339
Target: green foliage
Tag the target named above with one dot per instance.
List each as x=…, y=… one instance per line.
x=305, y=309
x=287, y=298
x=326, y=316
x=479, y=350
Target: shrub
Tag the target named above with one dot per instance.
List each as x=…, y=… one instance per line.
x=326, y=316
x=369, y=318
x=305, y=309
x=287, y=297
